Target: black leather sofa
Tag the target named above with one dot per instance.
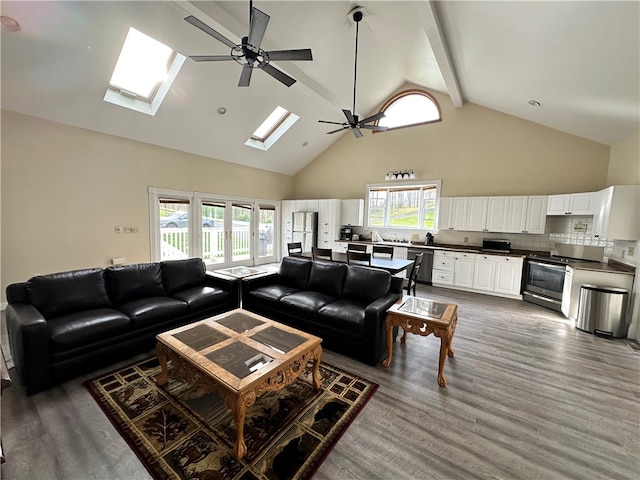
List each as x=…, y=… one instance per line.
x=63, y=324
x=345, y=305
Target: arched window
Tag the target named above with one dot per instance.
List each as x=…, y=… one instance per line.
x=409, y=108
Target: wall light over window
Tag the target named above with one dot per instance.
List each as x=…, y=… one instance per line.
x=143, y=74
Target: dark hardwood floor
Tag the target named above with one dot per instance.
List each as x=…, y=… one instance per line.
x=528, y=397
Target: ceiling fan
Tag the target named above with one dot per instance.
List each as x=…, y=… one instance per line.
x=248, y=53
x=353, y=122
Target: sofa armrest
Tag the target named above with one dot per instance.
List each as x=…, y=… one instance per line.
x=228, y=284
x=376, y=313
x=28, y=333
x=251, y=283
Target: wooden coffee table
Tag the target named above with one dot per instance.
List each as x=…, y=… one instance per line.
x=240, y=356
x=423, y=317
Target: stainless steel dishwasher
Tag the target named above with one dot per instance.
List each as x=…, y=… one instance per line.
x=424, y=275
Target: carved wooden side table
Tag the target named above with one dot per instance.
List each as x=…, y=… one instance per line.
x=423, y=317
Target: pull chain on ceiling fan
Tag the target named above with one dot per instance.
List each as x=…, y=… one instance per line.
x=248, y=53
x=353, y=123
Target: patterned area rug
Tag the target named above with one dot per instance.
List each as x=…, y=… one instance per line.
x=182, y=432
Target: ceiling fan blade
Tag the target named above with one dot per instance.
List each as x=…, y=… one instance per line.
x=245, y=75
x=338, y=130
x=207, y=29
x=277, y=74
x=375, y=128
x=356, y=132
x=333, y=123
x=302, y=54
x=259, y=22
x=349, y=115
x=211, y=58
x=373, y=118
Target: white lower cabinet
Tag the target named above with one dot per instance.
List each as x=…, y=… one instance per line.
x=492, y=274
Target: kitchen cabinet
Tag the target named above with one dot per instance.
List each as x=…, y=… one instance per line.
x=476, y=214
x=485, y=273
x=340, y=247
x=508, y=275
x=572, y=204
x=329, y=212
x=453, y=213
x=526, y=214
x=352, y=212
x=287, y=207
x=453, y=268
x=487, y=214
x=617, y=215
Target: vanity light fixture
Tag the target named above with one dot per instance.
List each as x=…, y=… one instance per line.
x=400, y=175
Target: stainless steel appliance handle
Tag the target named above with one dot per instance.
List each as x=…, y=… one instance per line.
x=547, y=265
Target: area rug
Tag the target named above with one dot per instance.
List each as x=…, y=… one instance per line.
x=179, y=431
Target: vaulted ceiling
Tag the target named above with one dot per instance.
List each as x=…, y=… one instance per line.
x=580, y=60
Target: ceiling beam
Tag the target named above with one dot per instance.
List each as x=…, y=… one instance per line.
x=438, y=43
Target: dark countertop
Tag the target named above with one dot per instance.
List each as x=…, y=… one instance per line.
x=611, y=266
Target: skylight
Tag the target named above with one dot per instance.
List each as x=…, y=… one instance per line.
x=270, y=131
x=143, y=74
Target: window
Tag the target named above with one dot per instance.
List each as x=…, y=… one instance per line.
x=143, y=74
x=173, y=220
x=410, y=206
x=270, y=131
x=409, y=108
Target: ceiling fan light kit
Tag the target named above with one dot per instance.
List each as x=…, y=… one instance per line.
x=353, y=122
x=248, y=53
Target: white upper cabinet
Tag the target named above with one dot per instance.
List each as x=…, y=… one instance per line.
x=526, y=214
x=476, y=214
x=572, y=204
x=353, y=212
x=453, y=213
x=618, y=215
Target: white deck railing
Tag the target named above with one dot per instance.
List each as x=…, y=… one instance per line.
x=175, y=244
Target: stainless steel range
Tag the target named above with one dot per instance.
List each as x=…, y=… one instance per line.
x=544, y=277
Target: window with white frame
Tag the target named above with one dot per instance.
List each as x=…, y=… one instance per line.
x=407, y=206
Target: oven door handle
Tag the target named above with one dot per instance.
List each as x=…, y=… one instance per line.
x=547, y=265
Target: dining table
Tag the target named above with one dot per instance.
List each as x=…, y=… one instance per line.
x=391, y=265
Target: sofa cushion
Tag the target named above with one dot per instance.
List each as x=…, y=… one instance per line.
x=79, y=329
x=146, y=311
x=294, y=272
x=365, y=285
x=132, y=282
x=64, y=293
x=202, y=298
x=182, y=274
x=273, y=292
x=307, y=302
x=343, y=315
x=327, y=277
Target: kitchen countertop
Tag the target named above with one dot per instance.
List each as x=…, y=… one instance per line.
x=611, y=266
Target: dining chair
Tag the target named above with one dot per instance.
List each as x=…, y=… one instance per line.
x=382, y=251
x=295, y=249
x=413, y=275
x=358, y=258
x=321, y=253
x=356, y=247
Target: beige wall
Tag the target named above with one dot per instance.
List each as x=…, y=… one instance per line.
x=473, y=150
x=64, y=189
x=624, y=162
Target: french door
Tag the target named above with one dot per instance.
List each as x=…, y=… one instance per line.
x=223, y=231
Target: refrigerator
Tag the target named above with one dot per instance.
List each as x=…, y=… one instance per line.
x=305, y=229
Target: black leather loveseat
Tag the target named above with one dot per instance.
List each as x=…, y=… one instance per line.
x=345, y=305
x=63, y=324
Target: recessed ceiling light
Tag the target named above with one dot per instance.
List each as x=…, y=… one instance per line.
x=9, y=24
x=222, y=110
x=534, y=103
